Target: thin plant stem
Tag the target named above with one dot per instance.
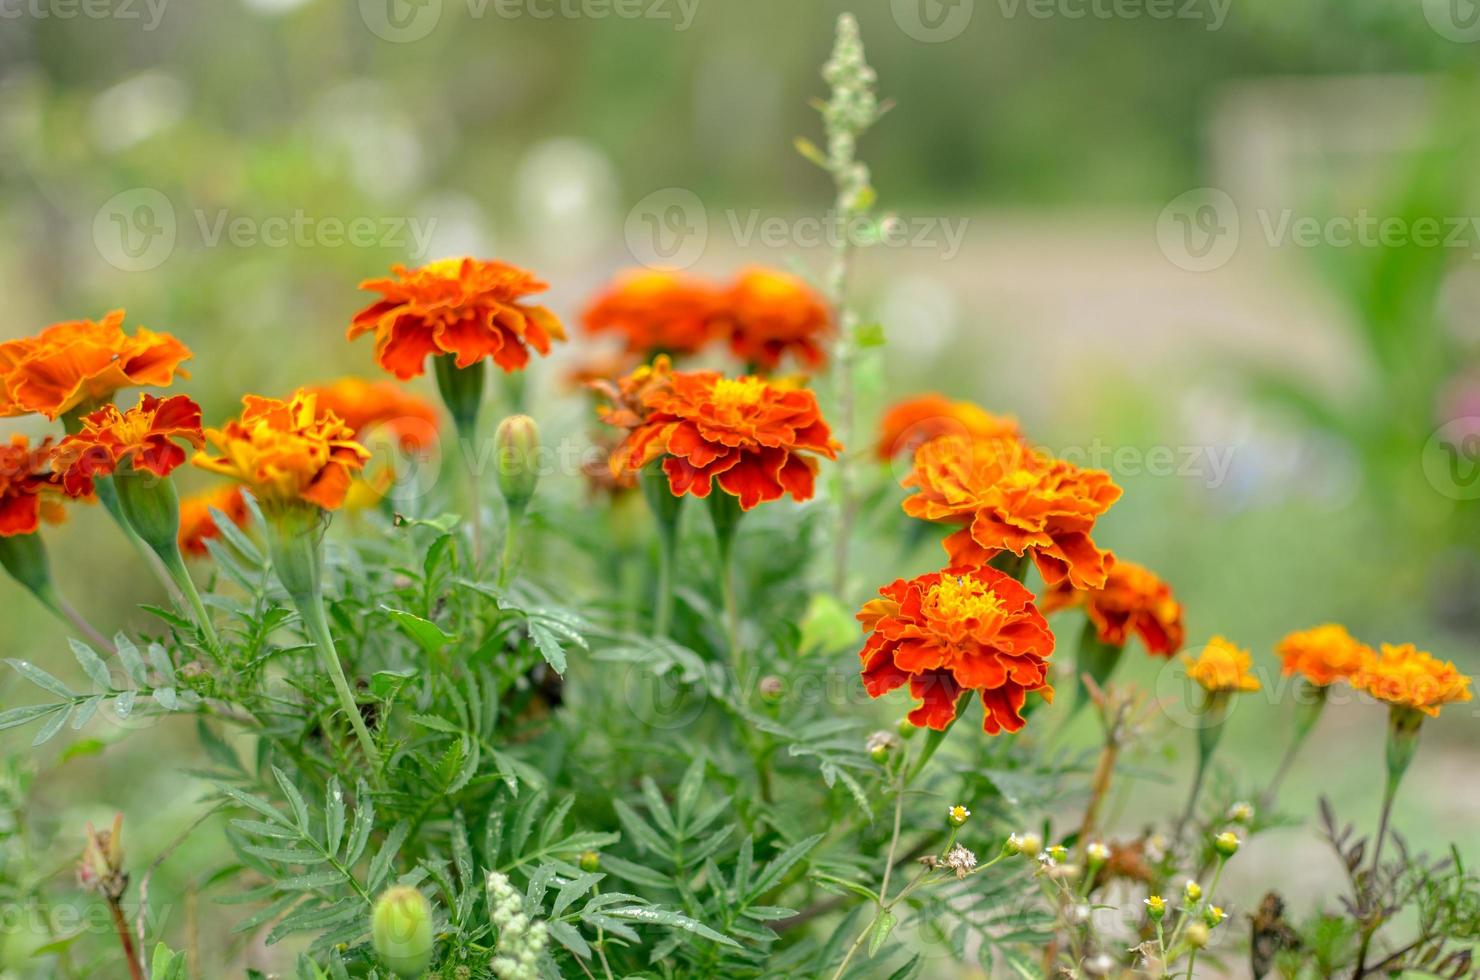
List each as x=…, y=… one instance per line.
x=175, y=565
x=311, y=608
x=936, y=737
x=1267, y=798
x=506, y=561
x=475, y=508
x=69, y=614
x=120, y=925
x=667, y=549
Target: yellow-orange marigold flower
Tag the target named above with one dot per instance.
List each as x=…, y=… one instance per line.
x=1222, y=667
x=197, y=526
x=367, y=406
x=83, y=362
x=146, y=436
x=30, y=491
x=756, y=439
x=1013, y=498
x=1323, y=655
x=286, y=452
x=769, y=314
x=468, y=308
x=656, y=311
x=910, y=423
x=1133, y=599
x=967, y=628
x=1407, y=677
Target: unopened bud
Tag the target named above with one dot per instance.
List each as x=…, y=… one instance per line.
x=881, y=745
x=516, y=447
x=906, y=728
x=1197, y=935
x=1241, y=812
x=1097, y=853
x=772, y=688
x=401, y=930
x=1156, y=907
x=1213, y=915
x=1192, y=891
x=590, y=861
x=1226, y=844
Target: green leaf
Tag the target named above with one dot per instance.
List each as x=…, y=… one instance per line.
x=359, y=833
x=549, y=646
x=53, y=725
x=92, y=665
x=668, y=917
x=386, y=684
x=40, y=678
x=781, y=863
x=333, y=815
x=437, y=724
x=572, y=890
x=688, y=790
x=380, y=867
x=15, y=717
x=883, y=926
x=83, y=747
x=128, y=654
x=427, y=634
x=868, y=335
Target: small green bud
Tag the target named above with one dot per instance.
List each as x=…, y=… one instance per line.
x=150, y=505
x=401, y=930
x=1098, y=853
x=1156, y=907
x=906, y=729
x=590, y=861
x=516, y=447
x=1032, y=844
x=1226, y=844
x=1213, y=915
x=1192, y=891
x=772, y=688
x=1197, y=935
x=1241, y=812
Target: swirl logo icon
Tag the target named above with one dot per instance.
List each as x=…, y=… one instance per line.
x=1199, y=230
x=135, y=230
x=932, y=21
x=668, y=229
x=401, y=21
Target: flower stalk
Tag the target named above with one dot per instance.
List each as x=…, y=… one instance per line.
x=667, y=509
x=462, y=392
x=1311, y=703
x=151, y=508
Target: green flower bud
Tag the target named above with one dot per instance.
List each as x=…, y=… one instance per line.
x=1197, y=935
x=401, y=930
x=461, y=390
x=906, y=729
x=1213, y=915
x=590, y=861
x=1156, y=907
x=24, y=557
x=516, y=447
x=1226, y=844
x=150, y=505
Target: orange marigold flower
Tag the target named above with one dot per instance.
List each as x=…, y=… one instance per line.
x=1013, y=498
x=83, y=362
x=656, y=311
x=910, y=423
x=287, y=452
x=1407, y=677
x=769, y=313
x=1133, y=600
x=197, y=526
x=367, y=406
x=30, y=491
x=144, y=437
x=1221, y=667
x=469, y=308
x=750, y=436
x=967, y=628
x=1323, y=655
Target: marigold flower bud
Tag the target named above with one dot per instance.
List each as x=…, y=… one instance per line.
x=401, y=930
x=516, y=447
x=1226, y=844
x=958, y=815
x=1156, y=907
x=1213, y=915
x=590, y=861
x=1192, y=891
x=1197, y=935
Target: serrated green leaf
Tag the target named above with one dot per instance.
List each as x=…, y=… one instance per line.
x=548, y=645
x=333, y=815
x=668, y=917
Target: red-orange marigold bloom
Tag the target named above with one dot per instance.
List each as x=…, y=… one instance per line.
x=1222, y=667
x=752, y=437
x=287, y=452
x=769, y=313
x=969, y=628
x=910, y=423
x=1133, y=599
x=656, y=311
x=1323, y=655
x=1013, y=498
x=367, y=406
x=83, y=362
x=469, y=308
x=145, y=437
x=30, y=491
x=1407, y=677
x=197, y=526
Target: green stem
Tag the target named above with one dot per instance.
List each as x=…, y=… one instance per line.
x=667, y=553
x=933, y=741
x=506, y=561
x=174, y=563
x=316, y=621
x=666, y=510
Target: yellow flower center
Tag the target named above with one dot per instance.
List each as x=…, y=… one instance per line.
x=445, y=268
x=735, y=393
x=961, y=597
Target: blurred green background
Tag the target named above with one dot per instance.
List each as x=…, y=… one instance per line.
x=229, y=171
